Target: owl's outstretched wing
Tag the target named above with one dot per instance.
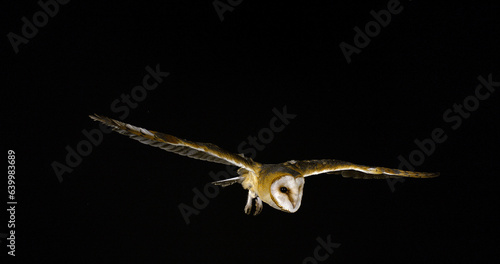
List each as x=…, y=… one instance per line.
x=196, y=150
x=350, y=170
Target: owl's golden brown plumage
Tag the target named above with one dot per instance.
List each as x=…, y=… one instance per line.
x=279, y=185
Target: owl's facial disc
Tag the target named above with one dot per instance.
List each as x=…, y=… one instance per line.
x=286, y=192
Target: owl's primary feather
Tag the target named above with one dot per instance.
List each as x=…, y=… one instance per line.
x=350, y=170
x=195, y=150
x=279, y=185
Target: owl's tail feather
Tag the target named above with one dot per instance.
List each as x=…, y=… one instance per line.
x=228, y=182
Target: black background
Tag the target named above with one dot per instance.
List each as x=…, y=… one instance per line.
x=121, y=202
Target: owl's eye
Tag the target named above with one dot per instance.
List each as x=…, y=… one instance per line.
x=283, y=189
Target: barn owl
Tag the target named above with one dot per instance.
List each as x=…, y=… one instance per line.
x=279, y=185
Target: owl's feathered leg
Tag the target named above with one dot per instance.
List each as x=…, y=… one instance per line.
x=258, y=206
x=249, y=205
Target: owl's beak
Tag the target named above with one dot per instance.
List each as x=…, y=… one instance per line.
x=295, y=200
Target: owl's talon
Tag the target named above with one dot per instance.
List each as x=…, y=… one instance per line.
x=248, y=209
x=248, y=206
x=258, y=206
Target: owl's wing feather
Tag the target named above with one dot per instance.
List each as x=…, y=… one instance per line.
x=351, y=170
x=196, y=150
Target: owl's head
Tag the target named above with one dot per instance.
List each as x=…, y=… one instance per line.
x=286, y=193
